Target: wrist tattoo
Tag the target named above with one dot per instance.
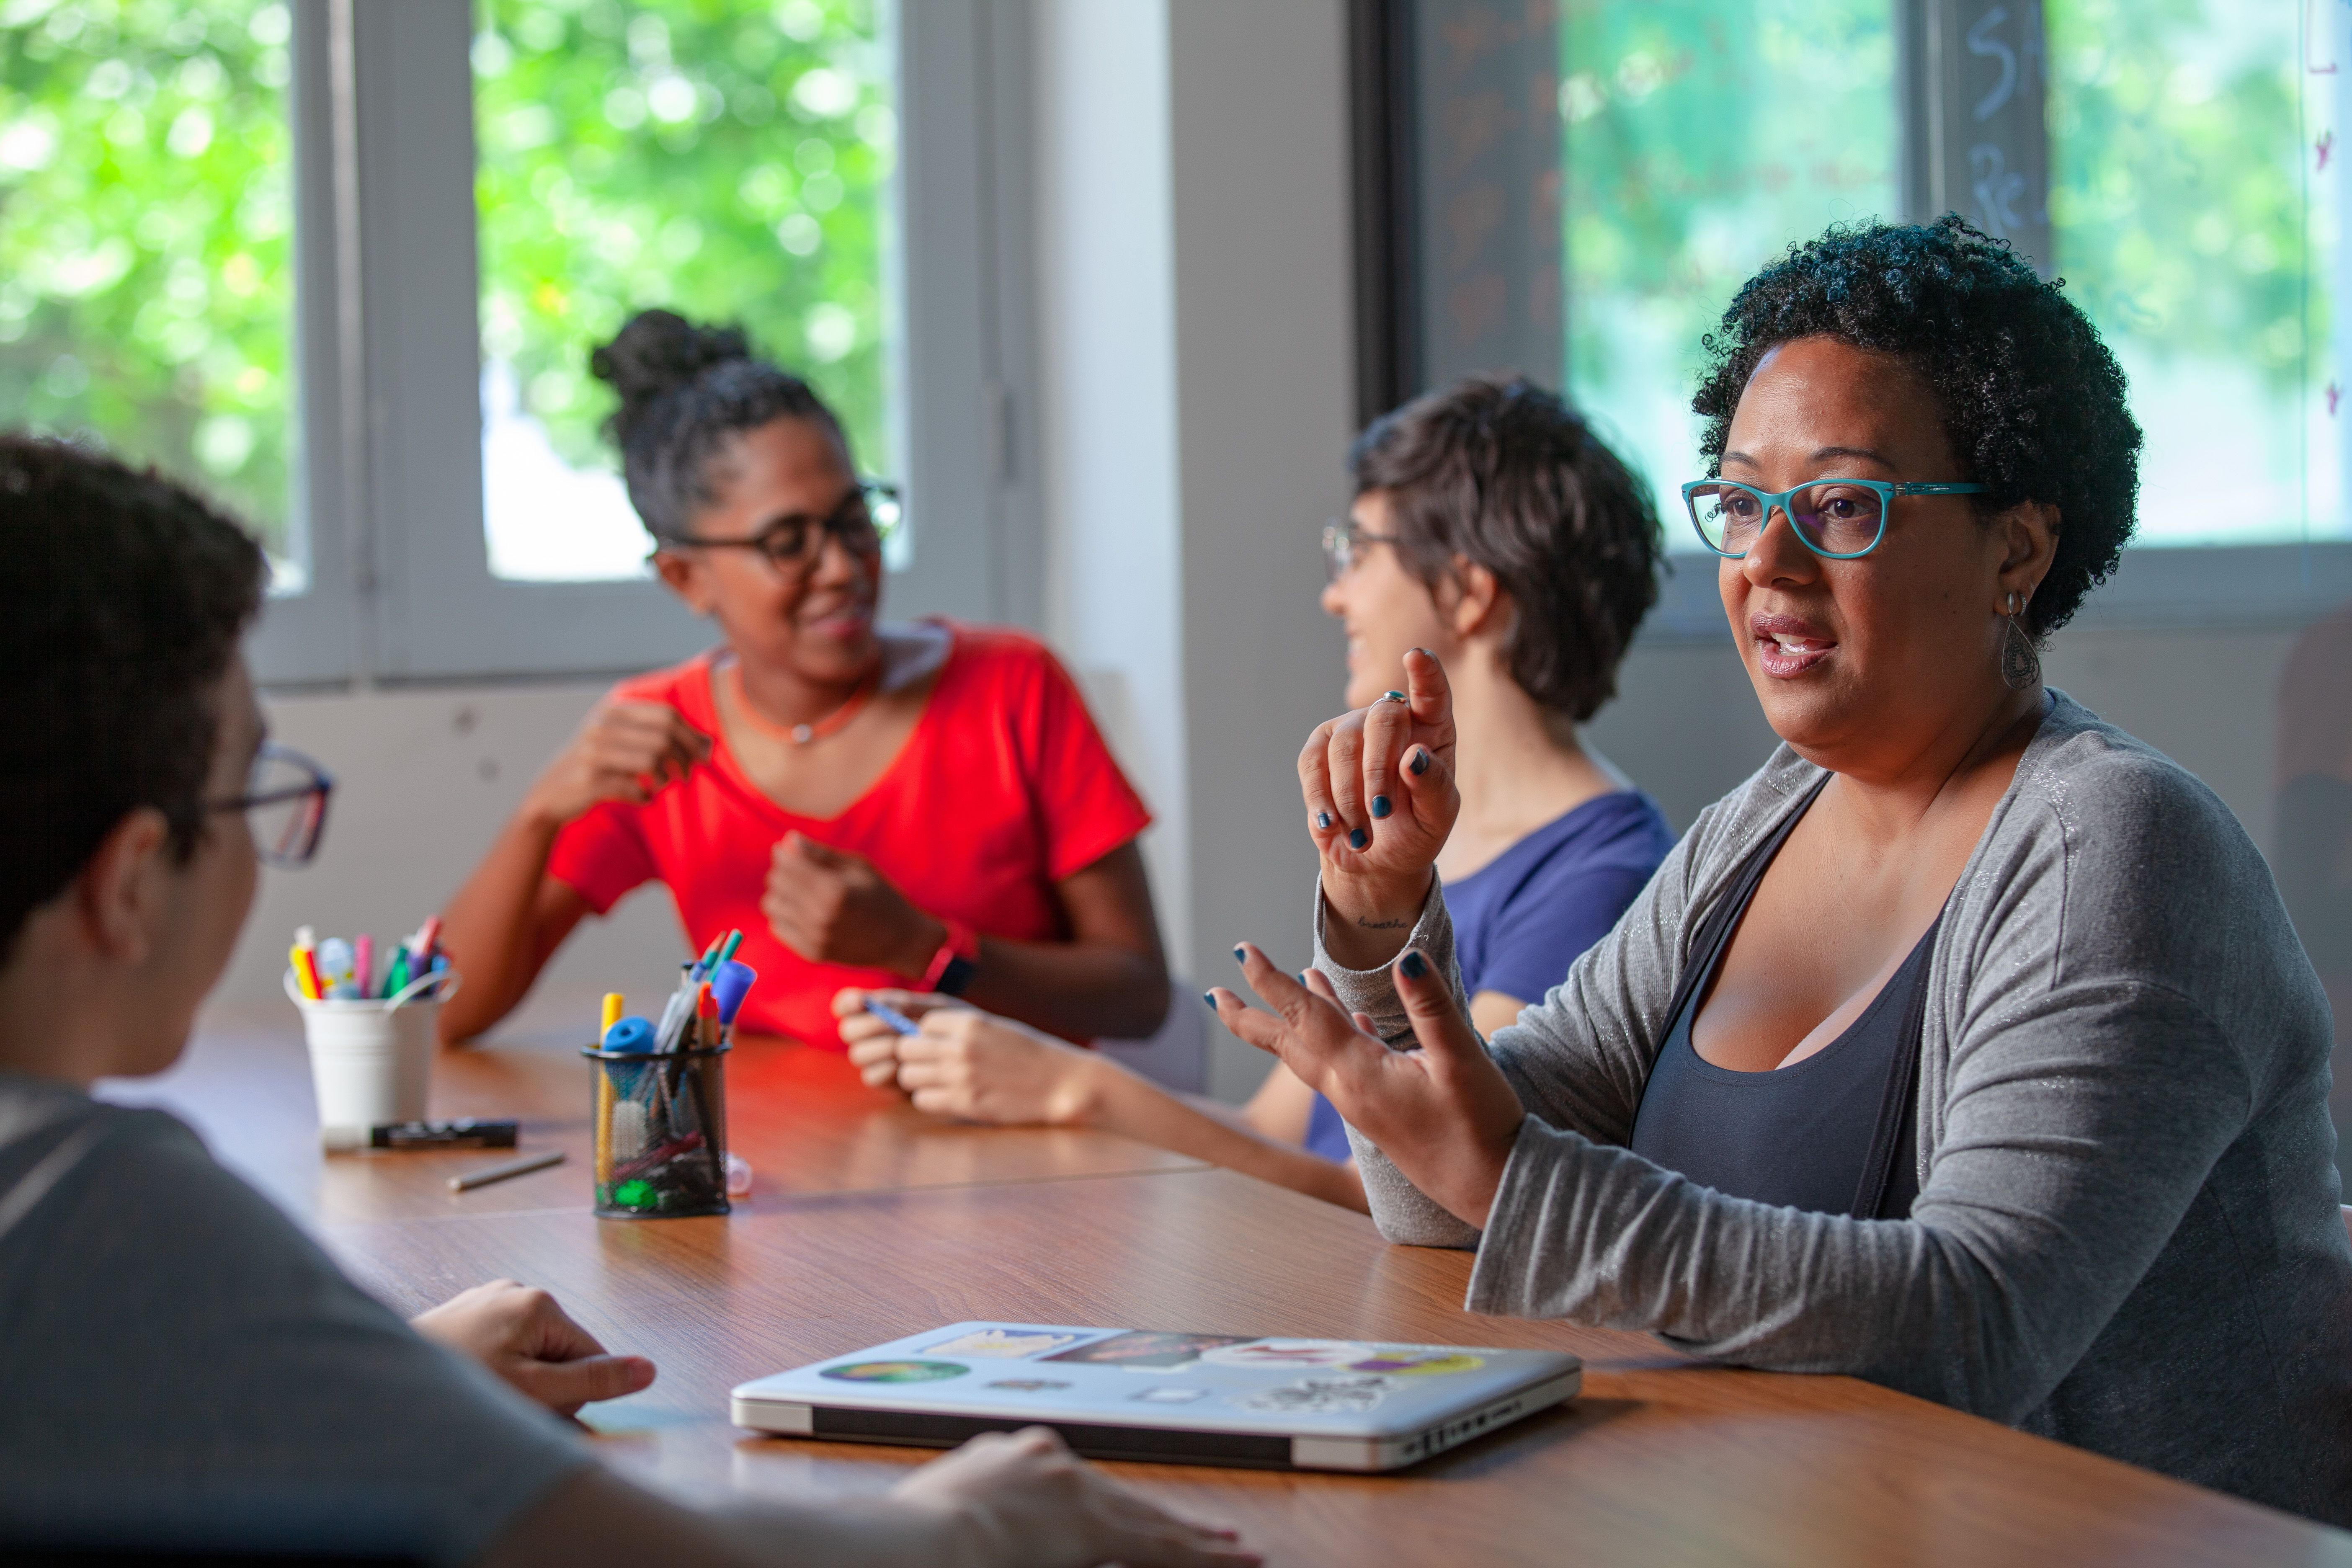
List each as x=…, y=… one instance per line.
x=1383, y=925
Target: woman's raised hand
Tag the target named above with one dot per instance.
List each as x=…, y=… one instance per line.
x=622, y=751
x=1445, y=1115
x=1380, y=799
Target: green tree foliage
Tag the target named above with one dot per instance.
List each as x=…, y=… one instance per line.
x=1703, y=137
x=727, y=160
x=146, y=280
x=2177, y=178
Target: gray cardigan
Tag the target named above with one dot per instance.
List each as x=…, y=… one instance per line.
x=2127, y=1235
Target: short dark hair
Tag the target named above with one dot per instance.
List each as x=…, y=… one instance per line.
x=685, y=392
x=2033, y=400
x=1505, y=474
x=124, y=596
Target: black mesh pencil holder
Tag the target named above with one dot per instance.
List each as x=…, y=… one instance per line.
x=660, y=1120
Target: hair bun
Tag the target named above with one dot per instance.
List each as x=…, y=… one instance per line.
x=659, y=352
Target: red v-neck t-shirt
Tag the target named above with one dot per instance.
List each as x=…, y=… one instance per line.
x=1004, y=789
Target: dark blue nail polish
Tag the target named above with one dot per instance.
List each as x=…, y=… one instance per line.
x=1302, y=977
x=1413, y=965
x=1420, y=764
x=1381, y=806
x=1323, y=821
x=1357, y=839
x=1210, y=998
x=1240, y=956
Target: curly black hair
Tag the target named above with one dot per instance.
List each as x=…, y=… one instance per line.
x=1509, y=475
x=125, y=597
x=2033, y=400
x=685, y=392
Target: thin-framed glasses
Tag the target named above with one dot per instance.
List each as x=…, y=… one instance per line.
x=867, y=516
x=1839, y=519
x=285, y=802
x=1343, y=546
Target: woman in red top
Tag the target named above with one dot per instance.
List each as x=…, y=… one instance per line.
x=872, y=806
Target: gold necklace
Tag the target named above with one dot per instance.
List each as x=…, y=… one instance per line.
x=803, y=734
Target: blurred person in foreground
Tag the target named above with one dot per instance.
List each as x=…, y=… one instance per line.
x=186, y=1371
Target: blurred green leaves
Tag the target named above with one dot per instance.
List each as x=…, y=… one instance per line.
x=2177, y=188
x=1703, y=137
x=725, y=160
x=146, y=227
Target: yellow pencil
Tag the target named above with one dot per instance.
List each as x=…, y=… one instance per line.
x=611, y=1014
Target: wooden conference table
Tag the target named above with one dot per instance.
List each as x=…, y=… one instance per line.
x=869, y=1221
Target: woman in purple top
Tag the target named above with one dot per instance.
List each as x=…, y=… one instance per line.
x=1493, y=528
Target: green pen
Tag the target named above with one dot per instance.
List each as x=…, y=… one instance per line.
x=396, y=980
x=734, y=941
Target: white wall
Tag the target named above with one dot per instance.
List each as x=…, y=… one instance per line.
x=423, y=780
x=1194, y=275
x=1108, y=436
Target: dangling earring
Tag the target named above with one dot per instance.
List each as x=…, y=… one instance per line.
x=2021, y=666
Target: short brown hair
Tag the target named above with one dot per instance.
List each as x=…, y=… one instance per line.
x=125, y=595
x=1508, y=475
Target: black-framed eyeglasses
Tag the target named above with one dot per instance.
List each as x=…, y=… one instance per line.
x=867, y=516
x=1343, y=546
x=285, y=802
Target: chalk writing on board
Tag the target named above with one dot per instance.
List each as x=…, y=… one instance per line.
x=1983, y=44
x=1998, y=188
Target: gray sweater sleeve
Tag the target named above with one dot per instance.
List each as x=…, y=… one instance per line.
x=1589, y=1080
x=1401, y=1210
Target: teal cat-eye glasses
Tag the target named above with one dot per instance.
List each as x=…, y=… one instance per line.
x=1839, y=519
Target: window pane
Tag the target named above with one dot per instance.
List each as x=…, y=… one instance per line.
x=146, y=230
x=728, y=161
x=2178, y=204
x=1703, y=137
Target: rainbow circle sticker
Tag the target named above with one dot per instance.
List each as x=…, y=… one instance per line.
x=896, y=1371
x=1418, y=1363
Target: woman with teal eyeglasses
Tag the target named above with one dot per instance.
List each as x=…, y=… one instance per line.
x=1967, y=1047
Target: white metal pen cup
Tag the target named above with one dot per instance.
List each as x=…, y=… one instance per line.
x=371, y=1059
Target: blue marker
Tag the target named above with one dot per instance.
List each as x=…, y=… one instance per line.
x=900, y=1023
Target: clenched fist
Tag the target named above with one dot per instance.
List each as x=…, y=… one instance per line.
x=623, y=750
x=831, y=907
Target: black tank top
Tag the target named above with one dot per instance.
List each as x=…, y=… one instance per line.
x=1833, y=1133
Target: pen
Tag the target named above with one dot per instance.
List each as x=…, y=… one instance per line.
x=488, y=1174
x=305, y=972
x=333, y=960
x=612, y=1013
x=900, y=1023
x=425, y=943
x=304, y=964
x=363, y=964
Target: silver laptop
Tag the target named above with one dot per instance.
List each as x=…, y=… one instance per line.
x=1184, y=1398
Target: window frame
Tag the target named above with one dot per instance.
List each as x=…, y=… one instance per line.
x=389, y=503
x=2271, y=584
